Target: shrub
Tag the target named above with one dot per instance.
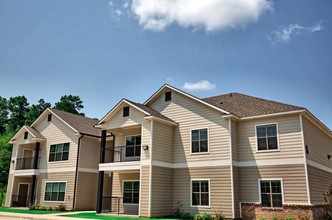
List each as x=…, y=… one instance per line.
x=50, y=208
x=198, y=217
x=178, y=211
x=205, y=216
x=289, y=218
x=43, y=208
x=304, y=216
x=328, y=200
x=32, y=207
x=275, y=218
x=219, y=215
x=261, y=218
x=186, y=215
x=61, y=208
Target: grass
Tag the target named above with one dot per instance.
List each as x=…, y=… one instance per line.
x=95, y=216
x=3, y=199
x=26, y=211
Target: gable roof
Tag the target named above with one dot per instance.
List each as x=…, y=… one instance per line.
x=242, y=105
x=34, y=133
x=143, y=108
x=78, y=123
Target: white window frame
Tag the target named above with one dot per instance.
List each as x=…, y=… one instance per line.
x=139, y=192
x=125, y=142
x=208, y=141
x=60, y=161
x=282, y=190
x=64, y=201
x=191, y=193
x=256, y=139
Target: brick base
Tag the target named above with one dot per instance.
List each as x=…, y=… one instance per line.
x=251, y=211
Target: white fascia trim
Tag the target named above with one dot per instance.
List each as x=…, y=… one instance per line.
x=88, y=170
x=135, y=165
x=319, y=166
x=271, y=115
x=58, y=170
x=203, y=164
x=153, y=118
x=185, y=94
x=29, y=172
x=272, y=162
x=305, y=160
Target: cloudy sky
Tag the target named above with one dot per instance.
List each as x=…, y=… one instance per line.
x=110, y=49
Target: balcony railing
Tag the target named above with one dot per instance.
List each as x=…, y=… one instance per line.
x=26, y=163
x=123, y=154
x=115, y=205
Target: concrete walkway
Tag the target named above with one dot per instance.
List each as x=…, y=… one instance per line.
x=53, y=216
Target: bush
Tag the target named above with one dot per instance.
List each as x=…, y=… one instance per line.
x=43, y=208
x=186, y=215
x=289, y=218
x=205, y=216
x=50, y=208
x=178, y=211
x=61, y=208
x=219, y=215
x=32, y=207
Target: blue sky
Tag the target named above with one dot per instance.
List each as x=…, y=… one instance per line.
x=107, y=50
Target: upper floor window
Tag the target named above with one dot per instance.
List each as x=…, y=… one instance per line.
x=271, y=193
x=131, y=192
x=199, y=140
x=59, y=152
x=26, y=135
x=133, y=146
x=126, y=111
x=55, y=191
x=168, y=96
x=267, y=137
x=200, y=193
x=49, y=117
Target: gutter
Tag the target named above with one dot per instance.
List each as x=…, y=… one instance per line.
x=76, y=171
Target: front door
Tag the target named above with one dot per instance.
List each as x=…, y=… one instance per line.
x=23, y=190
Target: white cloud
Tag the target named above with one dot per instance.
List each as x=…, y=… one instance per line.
x=210, y=15
x=284, y=33
x=201, y=85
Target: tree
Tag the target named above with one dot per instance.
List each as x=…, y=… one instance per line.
x=18, y=107
x=70, y=103
x=35, y=110
x=3, y=114
x=5, y=155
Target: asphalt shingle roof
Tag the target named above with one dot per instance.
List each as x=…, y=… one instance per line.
x=80, y=123
x=34, y=132
x=246, y=106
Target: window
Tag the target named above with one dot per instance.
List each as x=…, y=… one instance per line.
x=55, y=191
x=126, y=111
x=133, y=146
x=199, y=140
x=271, y=193
x=267, y=137
x=59, y=152
x=168, y=96
x=131, y=192
x=200, y=192
x=26, y=135
x=49, y=117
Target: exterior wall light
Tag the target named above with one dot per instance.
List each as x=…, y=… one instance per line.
x=145, y=147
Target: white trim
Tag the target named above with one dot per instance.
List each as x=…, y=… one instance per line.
x=231, y=166
x=125, y=144
x=28, y=172
x=256, y=139
x=150, y=176
x=122, y=191
x=208, y=141
x=58, y=161
x=151, y=117
x=269, y=162
x=185, y=94
x=274, y=114
x=305, y=161
x=191, y=192
x=271, y=179
x=319, y=166
x=132, y=165
x=64, y=201
x=18, y=134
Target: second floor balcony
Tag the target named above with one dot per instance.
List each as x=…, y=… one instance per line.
x=123, y=154
x=26, y=163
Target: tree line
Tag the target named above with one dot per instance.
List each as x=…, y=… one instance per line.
x=16, y=112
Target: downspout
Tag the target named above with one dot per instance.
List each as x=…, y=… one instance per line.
x=77, y=170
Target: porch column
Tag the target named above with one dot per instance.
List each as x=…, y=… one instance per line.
x=33, y=178
x=101, y=173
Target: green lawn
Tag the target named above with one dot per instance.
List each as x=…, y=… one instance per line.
x=95, y=216
x=26, y=211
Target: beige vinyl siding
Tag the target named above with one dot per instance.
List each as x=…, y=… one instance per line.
x=120, y=139
x=89, y=153
x=293, y=177
x=9, y=190
x=162, y=145
x=19, y=180
x=190, y=114
x=237, y=192
x=290, y=139
x=319, y=144
x=235, y=147
x=118, y=121
x=86, y=195
x=319, y=182
x=146, y=139
x=118, y=179
x=57, y=132
x=69, y=177
x=144, y=191
x=162, y=191
x=220, y=188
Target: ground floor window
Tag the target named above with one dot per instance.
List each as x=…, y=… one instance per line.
x=200, y=192
x=131, y=192
x=271, y=193
x=55, y=191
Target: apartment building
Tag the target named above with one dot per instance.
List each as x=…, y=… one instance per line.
x=55, y=162
x=246, y=156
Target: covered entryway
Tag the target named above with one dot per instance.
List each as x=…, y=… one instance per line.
x=22, y=197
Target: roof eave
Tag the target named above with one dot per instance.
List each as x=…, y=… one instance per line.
x=153, y=118
x=273, y=114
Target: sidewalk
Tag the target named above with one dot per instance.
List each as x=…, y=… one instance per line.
x=53, y=216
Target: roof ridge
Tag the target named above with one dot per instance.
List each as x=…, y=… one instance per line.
x=75, y=115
